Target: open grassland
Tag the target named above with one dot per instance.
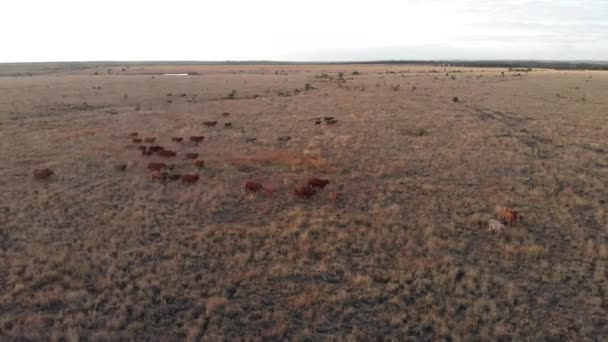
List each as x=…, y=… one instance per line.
x=396, y=246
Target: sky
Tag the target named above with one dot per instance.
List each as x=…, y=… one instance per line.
x=312, y=30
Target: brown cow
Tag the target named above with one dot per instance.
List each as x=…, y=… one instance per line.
x=318, y=183
x=190, y=178
x=305, y=191
x=156, y=166
x=192, y=155
x=167, y=153
x=43, y=173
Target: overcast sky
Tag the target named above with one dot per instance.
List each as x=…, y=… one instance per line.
x=88, y=30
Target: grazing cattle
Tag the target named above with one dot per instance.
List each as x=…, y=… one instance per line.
x=43, y=173
x=226, y=114
x=149, y=140
x=155, y=148
x=199, y=163
x=305, y=191
x=156, y=166
x=331, y=122
x=142, y=147
x=136, y=140
x=133, y=134
x=197, y=138
x=318, y=183
x=167, y=153
x=192, y=155
x=174, y=177
x=161, y=176
x=228, y=124
x=146, y=153
x=190, y=178
x=327, y=118
x=509, y=216
x=177, y=139
x=210, y=123
x=318, y=122
x=495, y=226
x=253, y=187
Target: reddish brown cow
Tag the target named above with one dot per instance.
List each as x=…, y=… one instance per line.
x=253, y=187
x=167, y=153
x=175, y=176
x=190, y=178
x=318, y=183
x=156, y=166
x=509, y=216
x=43, y=173
x=305, y=191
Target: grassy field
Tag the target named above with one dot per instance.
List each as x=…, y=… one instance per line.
x=396, y=246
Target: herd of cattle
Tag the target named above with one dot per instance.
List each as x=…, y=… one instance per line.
x=163, y=172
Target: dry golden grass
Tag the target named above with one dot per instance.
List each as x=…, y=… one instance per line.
x=94, y=253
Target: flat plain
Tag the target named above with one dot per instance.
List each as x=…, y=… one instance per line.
x=396, y=246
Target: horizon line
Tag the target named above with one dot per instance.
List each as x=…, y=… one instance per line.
x=270, y=61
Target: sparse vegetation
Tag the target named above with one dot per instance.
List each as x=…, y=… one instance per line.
x=372, y=224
